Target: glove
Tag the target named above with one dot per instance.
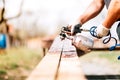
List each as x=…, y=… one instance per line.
x=75, y=28
x=99, y=31
x=102, y=31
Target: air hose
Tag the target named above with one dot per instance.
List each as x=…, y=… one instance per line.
x=106, y=40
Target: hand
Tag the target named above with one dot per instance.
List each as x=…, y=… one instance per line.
x=75, y=28
x=99, y=31
x=102, y=31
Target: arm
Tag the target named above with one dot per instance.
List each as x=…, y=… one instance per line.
x=112, y=16
x=113, y=13
x=93, y=10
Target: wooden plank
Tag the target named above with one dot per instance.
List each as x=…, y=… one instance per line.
x=60, y=63
x=47, y=68
x=70, y=68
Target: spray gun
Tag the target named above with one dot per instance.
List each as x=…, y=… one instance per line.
x=79, y=41
x=83, y=43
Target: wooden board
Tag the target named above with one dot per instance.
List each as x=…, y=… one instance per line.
x=60, y=63
x=47, y=68
x=70, y=68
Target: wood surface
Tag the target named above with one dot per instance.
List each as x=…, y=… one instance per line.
x=60, y=63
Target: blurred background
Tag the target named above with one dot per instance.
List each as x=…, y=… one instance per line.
x=31, y=26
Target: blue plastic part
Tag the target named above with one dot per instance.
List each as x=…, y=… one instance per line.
x=118, y=57
x=106, y=40
x=2, y=41
x=112, y=48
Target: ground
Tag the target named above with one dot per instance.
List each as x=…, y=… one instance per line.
x=18, y=63
x=101, y=63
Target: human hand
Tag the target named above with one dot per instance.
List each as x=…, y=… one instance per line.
x=75, y=28
x=99, y=31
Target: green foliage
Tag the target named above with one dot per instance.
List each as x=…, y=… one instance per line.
x=18, y=62
x=2, y=72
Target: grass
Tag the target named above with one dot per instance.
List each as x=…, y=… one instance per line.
x=108, y=59
x=111, y=56
x=17, y=63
